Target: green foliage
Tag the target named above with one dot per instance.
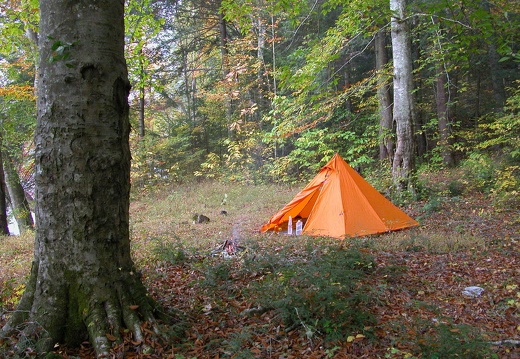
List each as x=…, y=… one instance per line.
x=320, y=292
x=171, y=253
x=479, y=169
x=157, y=159
x=313, y=148
x=218, y=274
x=504, y=128
x=142, y=25
x=10, y=294
x=238, y=343
x=506, y=189
x=379, y=175
x=453, y=341
x=27, y=346
x=211, y=168
x=282, y=170
x=455, y=188
x=61, y=51
x=497, y=175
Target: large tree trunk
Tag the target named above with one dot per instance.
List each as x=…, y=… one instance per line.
x=19, y=202
x=83, y=281
x=404, y=103
x=386, y=142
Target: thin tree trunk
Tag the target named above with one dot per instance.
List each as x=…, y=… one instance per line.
x=4, y=225
x=441, y=99
x=225, y=62
x=404, y=103
x=497, y=81
x=83, y=282
x=141, y=98
x=421, y=118
x=386, y=141
x=19, y=203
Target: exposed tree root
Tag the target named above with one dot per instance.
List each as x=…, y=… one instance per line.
x=108, y=313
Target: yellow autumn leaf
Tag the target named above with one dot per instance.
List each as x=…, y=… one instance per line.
x=351, y=338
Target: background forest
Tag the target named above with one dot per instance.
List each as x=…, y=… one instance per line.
x=266, y=91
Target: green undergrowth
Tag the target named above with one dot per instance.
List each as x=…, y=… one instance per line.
x=315, y=288
x=321, y=292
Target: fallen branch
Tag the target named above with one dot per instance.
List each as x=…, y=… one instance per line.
x=256, y=310
x=507, y=342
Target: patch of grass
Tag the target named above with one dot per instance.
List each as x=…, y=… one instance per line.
x=167, y=212
x=426, y=241
x=16, y=253
x=173, y=253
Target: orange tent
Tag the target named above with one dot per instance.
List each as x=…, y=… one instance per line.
x=339, y=203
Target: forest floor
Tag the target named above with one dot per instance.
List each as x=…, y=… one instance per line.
x=260, y=302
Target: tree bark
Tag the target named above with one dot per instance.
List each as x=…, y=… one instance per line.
x=141, y=96
x=224, y=52
x=386, y=142
x=404, y=103
x=4, y=227
x=19, y=202
x=441, y=100
x=497, y=81
x=83, y=281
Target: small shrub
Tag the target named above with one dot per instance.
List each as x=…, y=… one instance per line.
x=322, y=293
x=433, y=205
x=506, y=191
x=479, y=171
x=218, y=274
x=172, y=253
x=455, y=188
x=237, y=346
x=10, y=294
x=454, y=341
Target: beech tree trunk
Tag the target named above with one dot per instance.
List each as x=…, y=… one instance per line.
x=386, y=142
x=404, y=103
x=83, y=282
x=19, y=202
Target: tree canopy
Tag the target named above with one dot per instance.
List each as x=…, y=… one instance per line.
x=268, y=91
